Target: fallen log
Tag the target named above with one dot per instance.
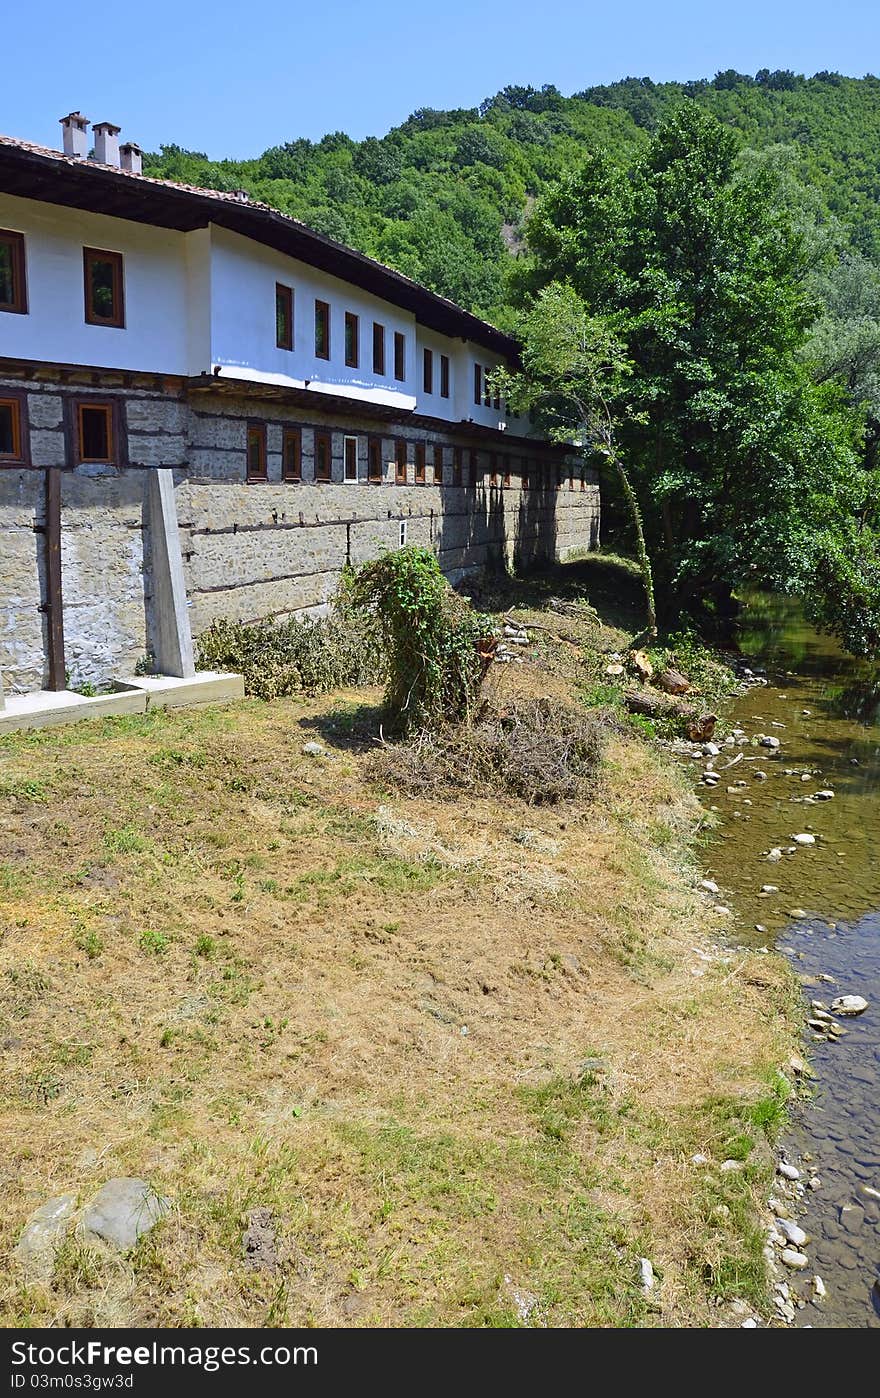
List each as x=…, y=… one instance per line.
x=698, y=724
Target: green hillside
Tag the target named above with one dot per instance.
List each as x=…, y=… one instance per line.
x=442, y=197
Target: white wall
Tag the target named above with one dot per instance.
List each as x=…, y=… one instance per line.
x=206, y=298
x=243, y=277
x=155, y=273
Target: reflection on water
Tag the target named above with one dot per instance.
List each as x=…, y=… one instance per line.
x=825, y=708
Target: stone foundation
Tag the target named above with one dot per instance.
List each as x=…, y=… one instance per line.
x=249, y=549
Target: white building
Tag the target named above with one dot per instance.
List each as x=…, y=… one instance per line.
x=153, y=333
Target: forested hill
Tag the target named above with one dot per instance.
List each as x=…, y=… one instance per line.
x=442, y=197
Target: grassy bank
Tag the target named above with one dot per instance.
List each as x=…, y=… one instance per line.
x=461, y=1052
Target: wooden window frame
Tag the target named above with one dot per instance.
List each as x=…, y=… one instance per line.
x=400, y=461
x=90, y=257
x=399, y=357
x=524, y=472
x=374, y=455
x=438, y=465
x=456, y=465
x=487, y=389
x=478, y=385
x=352, y=337
x=322, y=315
x=328, y=438
x=19, y=304
x=284, y=294
x=444, y=376
x=493, y=465
x=355, y=442
x=505, y=479
x=261, y=476
x=420, y=456
x=20, y=455
x=427, y=370
x=379, y=349
x=108, y=408
x=291, y=437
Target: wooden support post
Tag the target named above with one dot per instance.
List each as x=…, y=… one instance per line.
x=54, y=608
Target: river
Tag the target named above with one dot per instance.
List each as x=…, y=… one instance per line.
x=824, y=707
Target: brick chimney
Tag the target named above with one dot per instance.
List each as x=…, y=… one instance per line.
x=75, y=132
x=106, y=142
x=131, y=157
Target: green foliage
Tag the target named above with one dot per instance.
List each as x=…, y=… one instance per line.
x=299, y=655
x=739, y=458
x=432, y=637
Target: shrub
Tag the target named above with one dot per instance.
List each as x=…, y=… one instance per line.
x=299, y=655
x=537, y=750
x=437, y=645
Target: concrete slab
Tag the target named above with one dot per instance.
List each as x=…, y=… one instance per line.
x=131, y=696
x=45, y=707
x=205, y=687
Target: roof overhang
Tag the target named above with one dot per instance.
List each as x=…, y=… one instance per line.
x=53, y=178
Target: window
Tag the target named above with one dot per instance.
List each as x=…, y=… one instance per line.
x=472, y=467
x=493, y=479
x=322, y=330
x=506, y=477
x=13, y=284
x=10, y=431
x=352, y=337
x=400, y=463
x=524, y=472
x=438, y=465
x=378, y=348
x=420, y=463
x=323, y=456
x=428, y=370
x=444, y=376
x=478, y=384
x=403, y=532
x=487, y=390
x=283, y=316
x=496, y=399
x=103, y=286
x=399, y=356
x=456, y=465
x=291, y=454
x=374, y=461
x=256, y=451
x=350, y=459
x=94, y=423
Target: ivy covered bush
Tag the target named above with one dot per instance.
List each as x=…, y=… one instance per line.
x=300, y=655
x=437, y=646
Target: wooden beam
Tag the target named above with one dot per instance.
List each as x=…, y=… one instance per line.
x=54, y=608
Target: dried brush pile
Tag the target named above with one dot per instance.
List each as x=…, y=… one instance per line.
x=537, y=750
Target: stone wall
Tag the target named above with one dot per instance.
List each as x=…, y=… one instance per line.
x=250, y=549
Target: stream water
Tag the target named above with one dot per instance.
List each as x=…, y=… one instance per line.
x=824, y=707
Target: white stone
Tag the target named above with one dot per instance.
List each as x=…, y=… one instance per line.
x=646, y=1274
x=774, y=855
x=797, y=1261
x=728, y=1167
x=121, y=1211
x=769, y=888
x=805, y=838
x=767, y=741
x=788, y=1172
x=792, y=1232
x=849, y=1005
x=312, y=750
x=825, y=795
x=42, y=1236
x=820, y=1290
x=709, y=886
x=749, y=1324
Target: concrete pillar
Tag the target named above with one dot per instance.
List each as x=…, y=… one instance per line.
x=2, y=700
x=172, y=640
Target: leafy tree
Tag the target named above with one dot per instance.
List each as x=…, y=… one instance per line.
x=576, y=378
x=739, y=458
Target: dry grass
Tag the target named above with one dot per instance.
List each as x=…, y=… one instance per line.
x=460, y=1053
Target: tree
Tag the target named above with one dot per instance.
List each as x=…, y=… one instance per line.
x=739, y=459
x=575, y=376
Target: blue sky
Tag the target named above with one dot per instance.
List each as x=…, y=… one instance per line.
x=231, y=78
